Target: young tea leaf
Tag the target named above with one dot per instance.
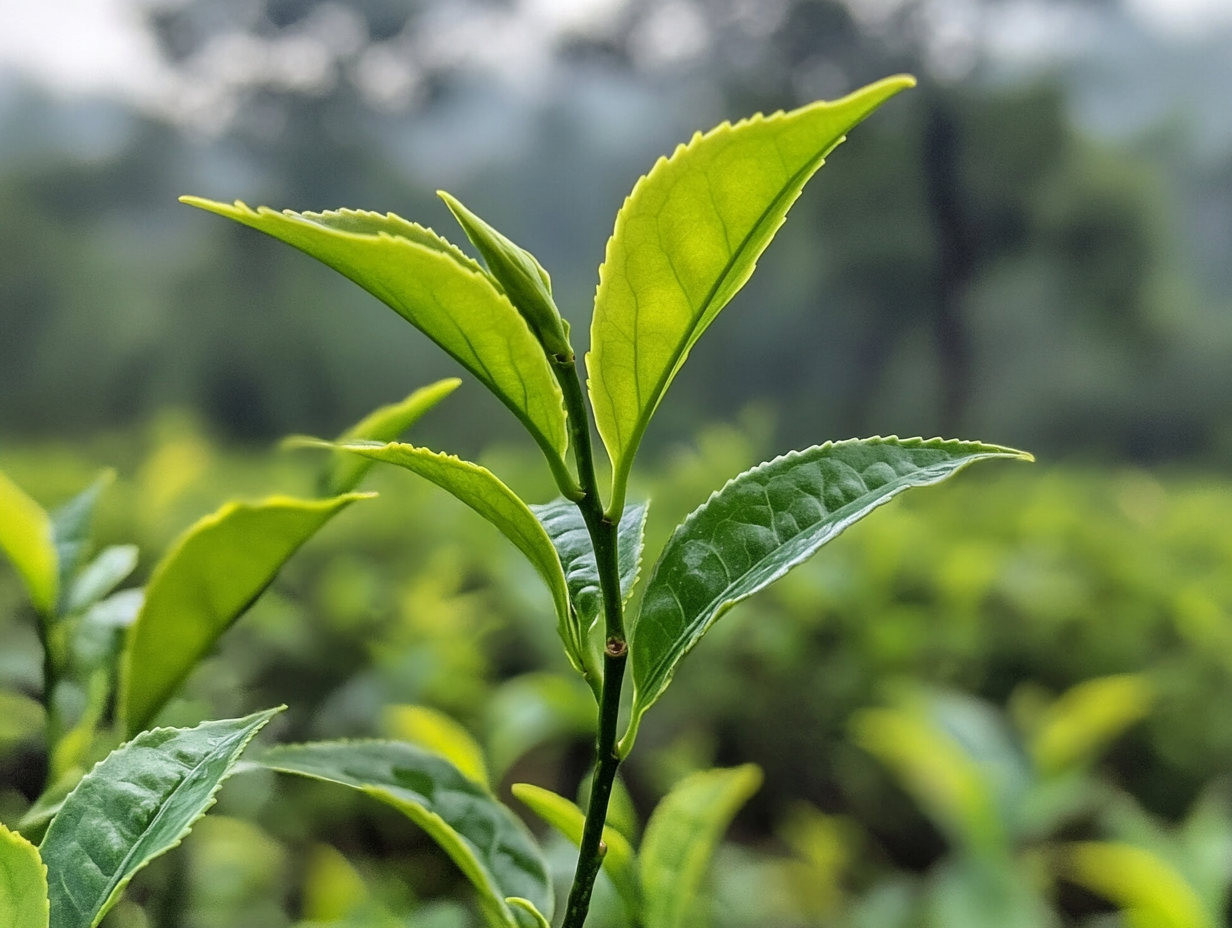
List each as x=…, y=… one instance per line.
x=686, y=240
x=207, y=580
x=483, y=491
x=1149, y=888
x=28, y=539
x=23, y=883
x=138, y=803
x=523, y=279
x=565, y=526
x=620, y=861
x=71, y=527
x=440, y=291
x=100, y=577
x=384, y=424
x=762, y=524
x=682, y=835
x=488, y=843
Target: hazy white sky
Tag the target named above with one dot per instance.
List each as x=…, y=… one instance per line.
x=97, y=45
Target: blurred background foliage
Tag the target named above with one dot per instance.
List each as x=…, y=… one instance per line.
x=1031, y=248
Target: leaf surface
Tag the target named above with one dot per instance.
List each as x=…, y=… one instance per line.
x=436, y=288
x=28, y=540
x=686, y=240
x=620, y=862
x=439, y=733
x=207, y=580
x=487, y=841
x=136, y=804
x=682, y=835
x=98, y=578
x=1150, y=889
x=384, y=424
x=565, y=526
x=23, y=883
x=762, y=524
x=484, y=492
x=71, y=524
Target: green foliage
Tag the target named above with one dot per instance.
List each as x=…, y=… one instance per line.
x=487, y=842
x=27, y=537
x=686, y=240
x=212, y=574
x=681, y=838
x=23, y=883
x=137, y=804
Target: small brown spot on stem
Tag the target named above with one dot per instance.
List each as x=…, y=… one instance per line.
x=616, y=648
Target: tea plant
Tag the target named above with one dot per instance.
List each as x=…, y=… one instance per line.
x=686, y=240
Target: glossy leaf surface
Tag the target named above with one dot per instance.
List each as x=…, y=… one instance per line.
x=436, y=288
x=484, y=492
x=686, y=240
x=619, y=862
x=762, y=524
x=136, y=804
x=207, y=580
x=516, y=271
x=565, y=526
x=384, y=425
x=681, y=838
x=23, y=883
x=28, y=540
x=487, y=841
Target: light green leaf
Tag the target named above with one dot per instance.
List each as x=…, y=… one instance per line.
x=440, y=291
x=533, y=708
x=100, y=577
x=382, y=425
x=619, y=862
x=207, y=580
x=525, y=913
x=136, y=804
x=567, y=529
x=1150, y=890
x=484, y=492
x=762, y=524
x=519, y=275
x=1082, y=722
x=682, y=835
x=487, y=841
x=686, y=240
x=71, y=529
x=23, y=883
x=27, y=539
x=20, y=718
x=436, y=732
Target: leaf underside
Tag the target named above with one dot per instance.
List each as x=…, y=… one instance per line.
x=488, y=843
x=686, y=240
x=567, y=529
x=484, y=492
x=436, y=288
x=762, y=524
x=681, y=838
x=208, y=579
x=139, y=802
x=23, y=883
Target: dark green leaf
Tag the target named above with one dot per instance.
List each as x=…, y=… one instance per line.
x=135, y=805
x=565, y=526
x=522, y=278
x=686, y=240
x=682, y=835
x=487, y=841
x=211, y=575
x=762, y=524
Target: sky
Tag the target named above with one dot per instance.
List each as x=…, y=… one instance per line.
x=98, y=46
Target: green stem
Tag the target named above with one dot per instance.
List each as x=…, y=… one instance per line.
x=603, y=537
